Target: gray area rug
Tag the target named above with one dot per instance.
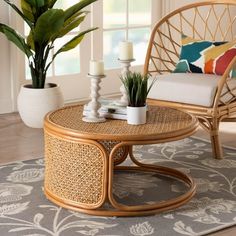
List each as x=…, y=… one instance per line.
x=24, y=210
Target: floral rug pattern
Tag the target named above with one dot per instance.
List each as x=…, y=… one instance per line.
x=24, y=210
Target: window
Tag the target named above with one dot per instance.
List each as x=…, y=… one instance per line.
x=125, y=20
x=117, y=21
x=66, y=63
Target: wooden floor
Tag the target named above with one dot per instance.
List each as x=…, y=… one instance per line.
x=18, y=142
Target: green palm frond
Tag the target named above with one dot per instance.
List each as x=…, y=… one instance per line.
x=47, y=24
x=15, y=38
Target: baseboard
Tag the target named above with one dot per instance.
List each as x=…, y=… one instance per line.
x=5, y=106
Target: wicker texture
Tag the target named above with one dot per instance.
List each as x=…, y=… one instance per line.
x=81, y=158
x=74, y=170
x=160, y=121
x=120, y=154
x=213, y=20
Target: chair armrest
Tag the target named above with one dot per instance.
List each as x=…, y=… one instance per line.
x=223, y=84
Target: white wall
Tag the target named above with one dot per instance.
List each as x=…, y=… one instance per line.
x=170, y=5
x=6, y=103
x=179, y=3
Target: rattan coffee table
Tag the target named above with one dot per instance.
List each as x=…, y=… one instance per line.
x=81, y=158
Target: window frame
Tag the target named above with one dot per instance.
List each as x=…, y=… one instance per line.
x=97, y=37
x=76, y=87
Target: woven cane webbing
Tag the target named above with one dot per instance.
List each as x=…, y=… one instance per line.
x=212, y=21
x=160, y=120
x=204, y=20
x=120, y=154
x=74, y=171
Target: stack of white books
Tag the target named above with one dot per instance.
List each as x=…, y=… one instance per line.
x=109, y=109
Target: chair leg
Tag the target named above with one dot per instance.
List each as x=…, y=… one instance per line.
x=215, y=139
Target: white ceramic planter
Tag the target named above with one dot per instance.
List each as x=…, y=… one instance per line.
x=34, y=104
x=136, y=115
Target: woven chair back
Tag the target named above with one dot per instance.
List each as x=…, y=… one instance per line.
x=211, y=20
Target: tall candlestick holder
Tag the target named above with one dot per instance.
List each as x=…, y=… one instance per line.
x=125, y=70
x=94, y=105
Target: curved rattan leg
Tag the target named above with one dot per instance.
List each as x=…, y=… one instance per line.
x=211, y=125
x=121, y=153
x=215, y=139
x=76, y=172
x=144, y=209
x=163, y=170
x=106, y=192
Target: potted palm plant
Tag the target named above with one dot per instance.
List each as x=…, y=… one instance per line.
x=46, y=24
x=137, y=89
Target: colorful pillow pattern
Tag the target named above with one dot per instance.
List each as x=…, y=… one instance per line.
x=199, y=56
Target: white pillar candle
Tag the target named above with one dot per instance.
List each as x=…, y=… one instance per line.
x=126, y=50
x=96, y=67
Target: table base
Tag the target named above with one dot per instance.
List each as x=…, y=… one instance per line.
x=80, y=159
x=139, y=210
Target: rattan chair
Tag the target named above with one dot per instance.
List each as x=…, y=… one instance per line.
x=210, y=20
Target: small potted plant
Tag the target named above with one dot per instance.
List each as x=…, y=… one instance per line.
x=137, y=89
x=46, y=24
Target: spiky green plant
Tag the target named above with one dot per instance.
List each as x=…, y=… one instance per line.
x=136, y=86
x=46, y=25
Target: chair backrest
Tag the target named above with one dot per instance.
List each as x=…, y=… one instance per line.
x=210, y=20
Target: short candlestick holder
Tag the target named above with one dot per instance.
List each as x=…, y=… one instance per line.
x=94, y=104
x=125, y=70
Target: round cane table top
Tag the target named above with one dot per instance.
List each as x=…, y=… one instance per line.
x=162, y=123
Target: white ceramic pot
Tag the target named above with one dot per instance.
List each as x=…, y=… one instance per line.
x=136, y=115
x=34, y=104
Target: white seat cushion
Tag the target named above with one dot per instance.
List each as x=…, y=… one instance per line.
x=196, y=89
